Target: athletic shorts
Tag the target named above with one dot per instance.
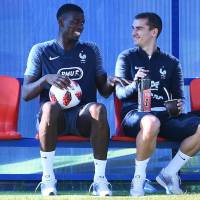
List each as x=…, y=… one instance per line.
x=68, y=124
x=172, y=128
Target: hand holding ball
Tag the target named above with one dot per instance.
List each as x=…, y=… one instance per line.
x=67, y=98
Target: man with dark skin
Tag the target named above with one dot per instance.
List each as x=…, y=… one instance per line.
x=47, y=65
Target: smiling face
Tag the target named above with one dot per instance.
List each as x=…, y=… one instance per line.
x=143, y=36
x=71, y=25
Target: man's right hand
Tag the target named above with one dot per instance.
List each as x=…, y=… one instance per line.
x=57, y=80
x=141, y=73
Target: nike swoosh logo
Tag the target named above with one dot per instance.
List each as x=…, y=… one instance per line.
x=182, y=157
x=53, y=58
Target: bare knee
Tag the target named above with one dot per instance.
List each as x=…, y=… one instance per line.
x=198, y=130
x=100, y=129
x=150, y=122
x=50, y=111
x=98, y=112
x=48, y=126
x=197, y=133
x=150, y=126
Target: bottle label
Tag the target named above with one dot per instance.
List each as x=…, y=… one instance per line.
x=144, y=95
x=146, y=100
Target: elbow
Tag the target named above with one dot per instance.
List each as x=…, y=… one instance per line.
x=25, y=95
x=26, y=98
x=105, y=94
x=120, y=97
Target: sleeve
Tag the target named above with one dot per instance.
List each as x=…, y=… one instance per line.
x=98, y=60
x=126, y=91
x=34, y=62
x=122, y=70
x=177, y=84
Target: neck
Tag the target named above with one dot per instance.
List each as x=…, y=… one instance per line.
x=66, y=44
x=150, y=49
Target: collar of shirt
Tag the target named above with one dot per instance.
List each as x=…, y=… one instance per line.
x=144, y=54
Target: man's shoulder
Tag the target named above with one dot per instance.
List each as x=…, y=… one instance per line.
x=129, y=52
x=169, y=57
x=88, y=44
x=42, y=46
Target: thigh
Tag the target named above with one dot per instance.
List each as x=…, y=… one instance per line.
x=131, y=122
x=84, y=120
x=60, y=120
x=74, y=121
x=180, y=127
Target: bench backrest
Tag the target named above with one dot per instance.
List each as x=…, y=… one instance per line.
x=118, y=120
x=195, y=94
x=9, y=107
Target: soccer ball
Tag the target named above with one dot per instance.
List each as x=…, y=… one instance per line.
x=67, y=98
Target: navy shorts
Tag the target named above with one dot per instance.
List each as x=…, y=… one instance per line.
x=67, y=123
x=172, y=128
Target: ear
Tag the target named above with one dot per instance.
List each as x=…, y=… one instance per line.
x=155, y=32
x=61, y=22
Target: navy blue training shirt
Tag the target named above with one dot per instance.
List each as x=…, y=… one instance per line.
x=83, y=63
x=164, y=71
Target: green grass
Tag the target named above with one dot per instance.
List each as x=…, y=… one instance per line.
x=87, y=197
x=75, y=190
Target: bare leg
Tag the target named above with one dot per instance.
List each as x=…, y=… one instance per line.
x=94, y=119
x=48, y=129
x=48, y=126
x=145, y=145
x=146, y=138
x=191, y=145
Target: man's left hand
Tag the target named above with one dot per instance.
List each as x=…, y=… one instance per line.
x=180, y=105
x=114, y=80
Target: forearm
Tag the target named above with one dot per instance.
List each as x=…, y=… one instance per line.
x=33, y=89
x=107, y=89
x=104, y=85
x=123, y=92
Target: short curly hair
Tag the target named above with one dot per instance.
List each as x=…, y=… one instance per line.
x=65, y=8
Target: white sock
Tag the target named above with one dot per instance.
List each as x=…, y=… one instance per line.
x=47, y=159
x=140, y=168
x=176, y=163
x=100, y=167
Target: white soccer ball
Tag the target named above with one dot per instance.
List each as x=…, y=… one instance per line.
x=67, y=98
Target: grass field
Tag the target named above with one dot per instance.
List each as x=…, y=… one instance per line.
x=87, y=197
x=77, y=190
